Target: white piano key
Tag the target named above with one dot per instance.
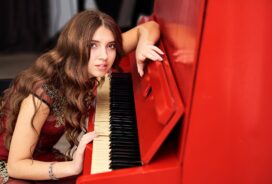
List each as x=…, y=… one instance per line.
x=101, y=144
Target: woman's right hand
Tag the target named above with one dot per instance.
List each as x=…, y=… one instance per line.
x=77, y=163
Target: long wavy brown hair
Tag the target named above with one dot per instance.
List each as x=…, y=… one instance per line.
x=64, y=67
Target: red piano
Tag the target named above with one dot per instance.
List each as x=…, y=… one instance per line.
x=203, y=114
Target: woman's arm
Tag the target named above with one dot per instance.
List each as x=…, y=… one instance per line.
x=24, y=140
x=142, y=38
x=148, y=31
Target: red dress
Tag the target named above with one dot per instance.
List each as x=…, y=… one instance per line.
x=52, y=129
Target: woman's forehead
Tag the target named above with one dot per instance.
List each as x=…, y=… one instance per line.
x=103, y=34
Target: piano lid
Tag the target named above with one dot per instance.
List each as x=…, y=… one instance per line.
x=158, y=104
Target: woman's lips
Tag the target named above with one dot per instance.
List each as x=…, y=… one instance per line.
x=101, y=67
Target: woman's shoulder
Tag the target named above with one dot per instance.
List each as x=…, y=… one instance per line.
x=46, y=92
x=53, y=97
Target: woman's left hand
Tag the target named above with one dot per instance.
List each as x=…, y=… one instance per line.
x=145, y=51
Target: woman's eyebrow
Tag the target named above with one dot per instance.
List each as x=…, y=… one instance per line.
x=94, y=41
x=97, y=41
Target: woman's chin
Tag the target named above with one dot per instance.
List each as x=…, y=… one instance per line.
x=100, y=74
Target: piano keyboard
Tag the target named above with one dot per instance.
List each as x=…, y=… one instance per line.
x=116, y=145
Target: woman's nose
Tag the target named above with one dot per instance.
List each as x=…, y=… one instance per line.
x=103, y=55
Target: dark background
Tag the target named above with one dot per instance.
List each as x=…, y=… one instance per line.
x=25, y=23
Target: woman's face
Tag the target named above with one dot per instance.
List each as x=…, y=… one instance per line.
x=103, y=52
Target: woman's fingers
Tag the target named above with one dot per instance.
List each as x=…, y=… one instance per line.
x=85, y=139
x=149, y=52
x=157, y=49
x=140, y=68
x=88, y=137
x=153, y=55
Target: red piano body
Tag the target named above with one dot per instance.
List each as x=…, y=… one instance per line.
x=219, y=55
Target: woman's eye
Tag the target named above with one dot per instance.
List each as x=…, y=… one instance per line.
x=112, y=46
x=93, y=45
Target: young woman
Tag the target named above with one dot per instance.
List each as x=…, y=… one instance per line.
x=53, y=97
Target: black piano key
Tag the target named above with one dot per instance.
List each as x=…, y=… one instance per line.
x=125, y=156
x=126, y=161
x=120, y=128
x=122, y=131
x=124, y=165
x=123, y=112
x=123, y=137
x=124, y=142
x=124, y=120
x=121, y=100
x=121, y=92
x=123, y=124
x=125, y=129
x=116, y=138
x=116, y=165
x=122, y=116
x=123, y=151
x=127, y=139
x=116, y=155
x=124, y=107
x=125, y=148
